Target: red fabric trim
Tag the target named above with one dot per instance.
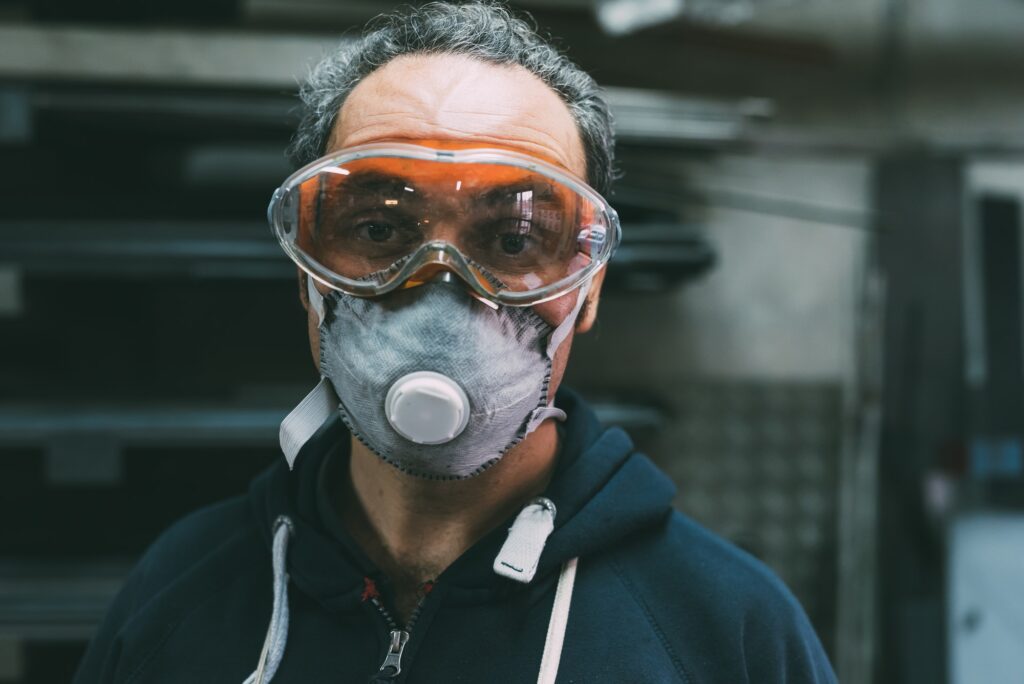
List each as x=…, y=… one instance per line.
x=369, y=589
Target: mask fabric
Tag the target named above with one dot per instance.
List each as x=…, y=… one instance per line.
x=500, y=358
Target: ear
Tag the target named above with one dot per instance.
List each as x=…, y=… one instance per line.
x=303, y=292
x=588, y=313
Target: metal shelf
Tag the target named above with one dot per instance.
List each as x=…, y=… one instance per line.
x=211, y=61
x=156, y=425
x=57, y=600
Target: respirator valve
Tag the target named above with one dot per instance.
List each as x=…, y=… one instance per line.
x=427, y=408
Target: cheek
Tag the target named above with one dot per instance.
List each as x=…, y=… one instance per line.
x=555, y=311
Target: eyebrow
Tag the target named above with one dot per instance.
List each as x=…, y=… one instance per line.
x=543, y=192
x=379, y=183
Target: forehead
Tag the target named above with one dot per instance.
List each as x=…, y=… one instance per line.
x=458, y=99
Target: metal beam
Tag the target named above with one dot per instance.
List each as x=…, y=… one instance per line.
x=276, y=62
x=140, y=426
x=164, y=56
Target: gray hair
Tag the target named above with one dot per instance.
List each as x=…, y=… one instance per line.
x=483, y=30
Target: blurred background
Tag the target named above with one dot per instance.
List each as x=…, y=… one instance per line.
x=814, y=323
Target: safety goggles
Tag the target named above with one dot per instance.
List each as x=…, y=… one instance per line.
x=375, y=218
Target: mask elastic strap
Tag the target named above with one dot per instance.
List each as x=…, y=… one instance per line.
x=306, y=418
x=316, y=300
x=316, y=408
x=558, y=336
x=566, y=326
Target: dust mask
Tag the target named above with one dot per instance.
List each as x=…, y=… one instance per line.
x=433, y=381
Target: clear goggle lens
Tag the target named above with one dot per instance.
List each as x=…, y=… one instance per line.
x=375, y=218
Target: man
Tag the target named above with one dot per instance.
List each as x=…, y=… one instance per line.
x=444, y=511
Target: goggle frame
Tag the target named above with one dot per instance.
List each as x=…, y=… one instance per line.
x=441, y=254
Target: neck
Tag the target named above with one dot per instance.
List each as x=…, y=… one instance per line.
x=413, y=528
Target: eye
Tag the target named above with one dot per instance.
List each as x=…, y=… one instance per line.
x=513, y=243
x=378, y=232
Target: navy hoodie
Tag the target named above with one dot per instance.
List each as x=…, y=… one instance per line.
x=657, y=597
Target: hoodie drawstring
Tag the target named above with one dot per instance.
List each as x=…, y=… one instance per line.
x=556, y=626
x=277, y=631
x=517, y=560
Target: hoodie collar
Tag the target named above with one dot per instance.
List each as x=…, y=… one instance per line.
x=604, y=492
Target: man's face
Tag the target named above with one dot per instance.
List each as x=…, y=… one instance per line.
x=457, y=99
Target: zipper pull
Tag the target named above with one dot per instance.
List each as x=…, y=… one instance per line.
x=392, y=664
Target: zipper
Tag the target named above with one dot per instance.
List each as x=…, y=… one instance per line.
x=392, y=665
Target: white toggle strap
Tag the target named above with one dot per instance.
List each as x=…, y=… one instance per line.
x=306, y=418
x=520, y=554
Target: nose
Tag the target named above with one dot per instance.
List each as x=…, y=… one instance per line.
x=442, y=266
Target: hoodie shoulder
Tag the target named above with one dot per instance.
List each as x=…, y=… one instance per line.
x=191, y=540
x=726, y=615
x=176, y=573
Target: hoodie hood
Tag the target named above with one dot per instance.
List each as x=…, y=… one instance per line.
x=603, y=490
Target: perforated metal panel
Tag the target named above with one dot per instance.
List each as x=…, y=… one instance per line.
x=758, y=463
